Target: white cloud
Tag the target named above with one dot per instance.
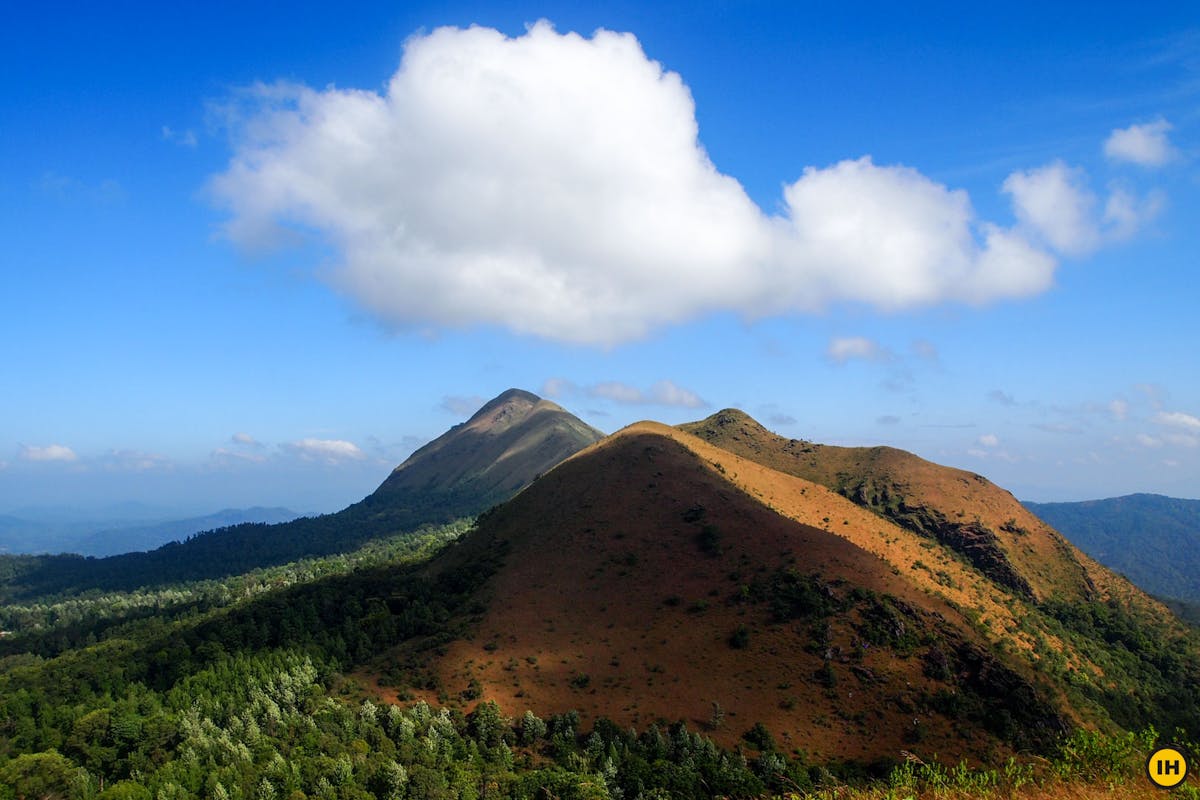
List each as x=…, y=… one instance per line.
x=1146, y=440
x=555, y=186
x=557, y=387
x=843, y=349
x=51, y=452
x=330, y=451
x=245, y=439
x=1182, y=439
x=1054, y=204
x=1145, y=145
x=1178, y=419
x=461, y=406
x=989, y=440
x=224, y=456
x=662, y=393
x=1119, y=409
x=134, y=461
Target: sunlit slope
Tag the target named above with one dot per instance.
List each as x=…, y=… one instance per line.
x=653, y=576
x=960, y=509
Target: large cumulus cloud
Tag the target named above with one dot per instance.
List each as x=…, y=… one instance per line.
x=555, y=185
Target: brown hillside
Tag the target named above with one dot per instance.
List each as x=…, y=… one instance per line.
x=652, y=576
x=960, y=509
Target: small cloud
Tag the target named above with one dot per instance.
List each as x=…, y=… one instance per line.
x=1178, y=419
x=843, y=349
x=1153, y=392
x=617, y=392
x=1145, y=145
x=1146, y=440
x=666, y=393
x=989, y=440
x=246, y=440
x=1119, y=409
x=888, y=419
x=557, y=387
x=51, y=452
x=330, y=451
x=224, y=456
x=663, y=393
x=1002, y=397
x=461, y=406
x=976, y=452
x=782, y=419
x=183, y=138
x=1182, y=439
x=1054, y=204
x=134, y=461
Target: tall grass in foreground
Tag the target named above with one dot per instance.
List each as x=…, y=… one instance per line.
x=1087, y=765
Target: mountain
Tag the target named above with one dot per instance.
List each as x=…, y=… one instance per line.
x=487, y=459
x=498, y=451
x=1152, y=540
x=90, y=536
x=966, y=512
x=658, y=576
x=127, y=539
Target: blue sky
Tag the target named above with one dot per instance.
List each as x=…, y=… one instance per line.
x=256, y=254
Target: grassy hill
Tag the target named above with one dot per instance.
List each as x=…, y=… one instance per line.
x=655, y=616
x=654, y=575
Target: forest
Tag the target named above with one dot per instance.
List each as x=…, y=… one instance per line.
x=243, y=687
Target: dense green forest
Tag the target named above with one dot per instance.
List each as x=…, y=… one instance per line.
x=233, y=689
x=228, y=551
x=239, y=688
x=1150, y=539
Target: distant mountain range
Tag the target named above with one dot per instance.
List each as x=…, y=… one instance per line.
x=501, y=449
x=113, y=531
x=1151, y=539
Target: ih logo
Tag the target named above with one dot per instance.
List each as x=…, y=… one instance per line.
x=1167, y=767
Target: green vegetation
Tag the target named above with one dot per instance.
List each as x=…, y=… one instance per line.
x=1149, y=538
x=235, y=689
x=213, y=555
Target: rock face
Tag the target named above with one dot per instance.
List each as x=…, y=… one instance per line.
x=486, y=460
